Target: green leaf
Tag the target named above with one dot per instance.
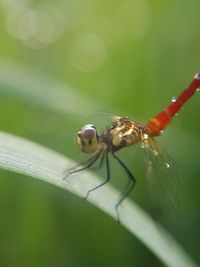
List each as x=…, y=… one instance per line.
x=23, y=156
x=41, y=89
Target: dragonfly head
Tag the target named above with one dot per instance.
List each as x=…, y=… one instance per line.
x=87, y=139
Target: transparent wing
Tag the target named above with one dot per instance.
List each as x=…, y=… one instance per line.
x=101, y=120
x=163, y=183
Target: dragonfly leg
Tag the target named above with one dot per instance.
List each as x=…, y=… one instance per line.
x=129, y=187
x=83, y=166
x=105, y=155
x=99, y=166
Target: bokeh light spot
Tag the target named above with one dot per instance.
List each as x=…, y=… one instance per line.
x=36, y=28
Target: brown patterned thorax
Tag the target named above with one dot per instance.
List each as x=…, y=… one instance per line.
x=124, y=132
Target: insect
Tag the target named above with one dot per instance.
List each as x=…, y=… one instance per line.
x=125, y=132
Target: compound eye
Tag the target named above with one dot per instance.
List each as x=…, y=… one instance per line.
x=87, y=139
x=89, y=132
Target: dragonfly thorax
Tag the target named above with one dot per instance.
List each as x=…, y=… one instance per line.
x=125, y=132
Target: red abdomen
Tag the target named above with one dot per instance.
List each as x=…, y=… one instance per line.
x=160, y=121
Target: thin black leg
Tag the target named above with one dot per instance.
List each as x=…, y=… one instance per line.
x=101, y=161
x=128, y=188
x=107, y=174
x=99, y=166
x=83, y=166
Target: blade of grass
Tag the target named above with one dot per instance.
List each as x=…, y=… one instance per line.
x=23, y=156
x=40, y=88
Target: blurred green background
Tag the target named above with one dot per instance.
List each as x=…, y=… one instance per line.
x=128, y=57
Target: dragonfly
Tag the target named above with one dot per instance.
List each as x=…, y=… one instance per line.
x=125, y=132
